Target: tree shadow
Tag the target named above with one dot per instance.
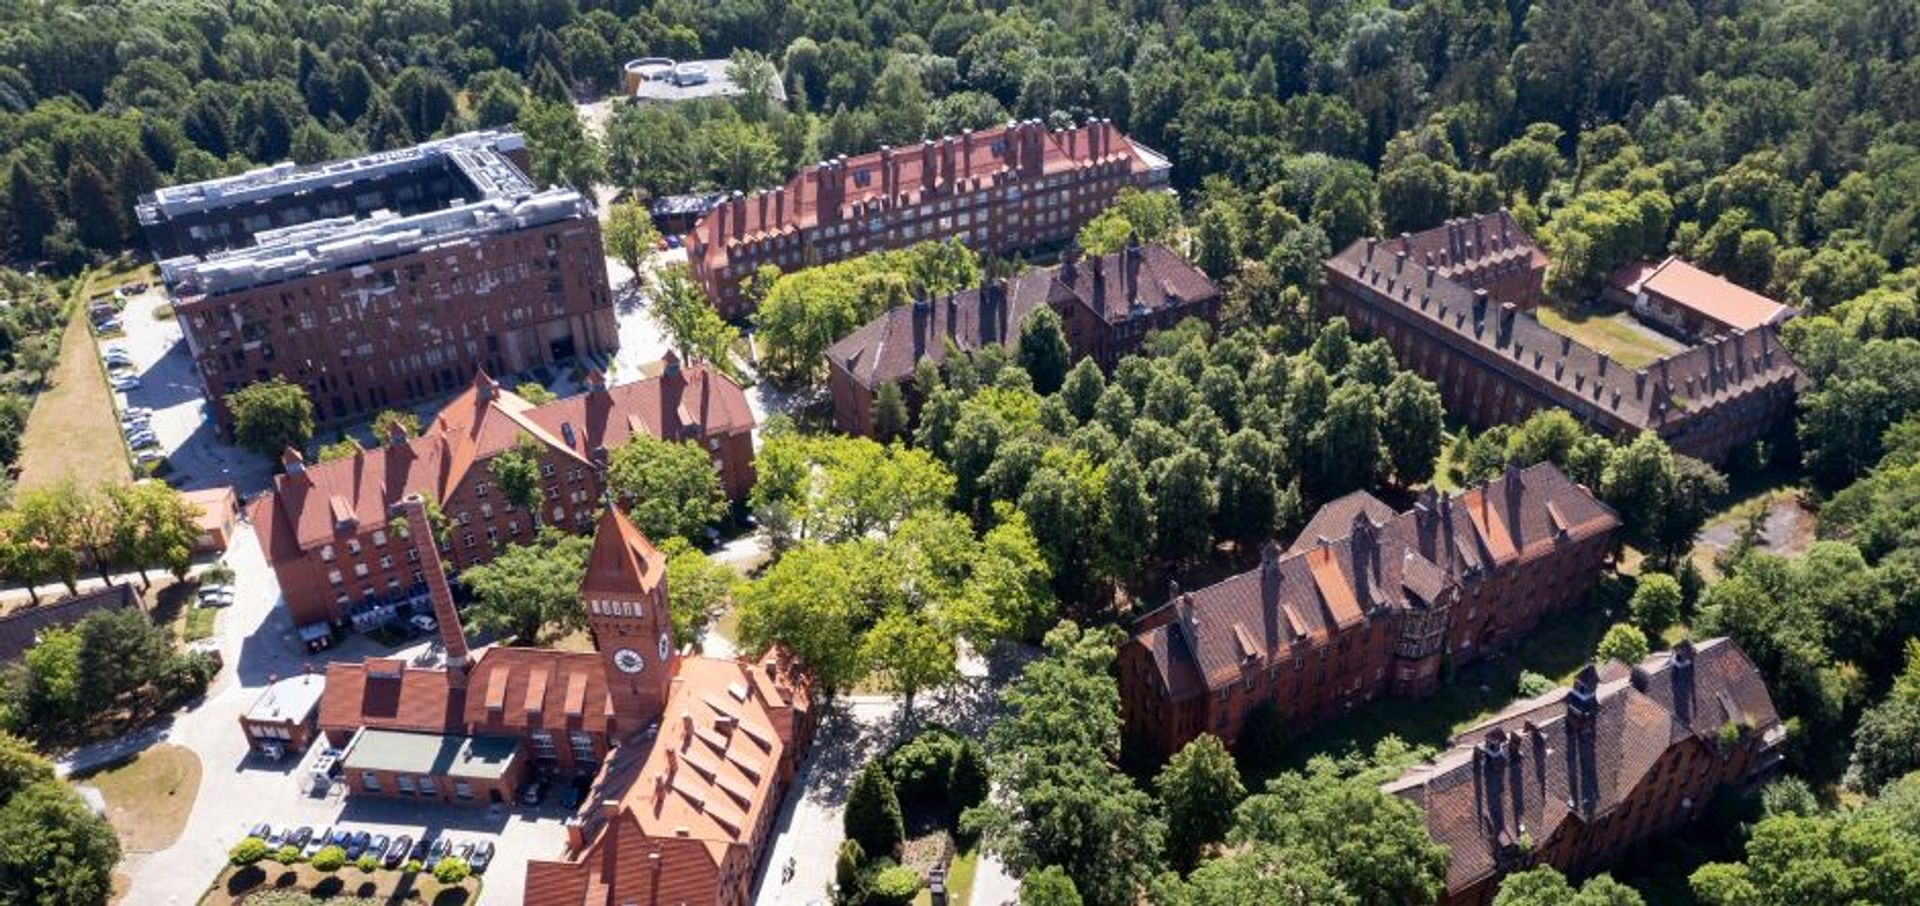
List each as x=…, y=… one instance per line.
x=452, y=896
x=329, y=887
x=245, y=879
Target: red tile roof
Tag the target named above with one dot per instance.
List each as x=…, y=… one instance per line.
x=1713, y=297
x=1405, y=562
x=623, y=561
x=309, y=506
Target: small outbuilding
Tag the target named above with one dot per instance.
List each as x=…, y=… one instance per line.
x=219, y=512
x=286, y=717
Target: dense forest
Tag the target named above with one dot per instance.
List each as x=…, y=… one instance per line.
x=1776, y=142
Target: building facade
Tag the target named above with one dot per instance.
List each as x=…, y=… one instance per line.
x=382, y=280
x=325, y=526
x=1367, y=602
x=1454, y=303
x=1578, y=776
x=999, y=190
x=1107, y=306
x=690, y=757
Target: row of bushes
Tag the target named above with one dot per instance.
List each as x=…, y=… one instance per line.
x=938, y=773
x=329, y=859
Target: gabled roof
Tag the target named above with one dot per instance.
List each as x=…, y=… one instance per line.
x=623, y=561
x=668, y=811
x=1319, y=587
x=1713, y=297
x=1469, y=255
x=1574, y=755
x=1140, y=278
x=21, y=629
x=312, y=503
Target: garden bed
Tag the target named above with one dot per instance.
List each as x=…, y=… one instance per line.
x=271, y=884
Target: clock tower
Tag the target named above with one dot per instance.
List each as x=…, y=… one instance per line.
x=625, y=593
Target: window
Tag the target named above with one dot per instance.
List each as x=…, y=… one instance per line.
x=582, y=744
x=333, y=576
x=371, y=781
x=379, y=538
x=386, y=562
x=543, y=745
x=462, y=789
x=480, y=489
x=360, y=570
x=326, y=553
x=466, y=540
x=353, y=545
x=402, y=783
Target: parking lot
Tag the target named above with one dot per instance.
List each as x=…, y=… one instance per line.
x=155, y=355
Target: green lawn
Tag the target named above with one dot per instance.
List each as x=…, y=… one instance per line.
x=73, y=431
x=1611, y=329
x=1557, y=649
x=199, y=624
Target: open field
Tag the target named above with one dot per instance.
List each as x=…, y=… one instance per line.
x=1629, y=342
x=149, y=797
x=73, y=431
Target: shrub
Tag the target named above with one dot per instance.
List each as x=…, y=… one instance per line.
x=846, y=864
x=248, y=851
x=895, y=885
x=451, y=870
x=368, y=863
x=1624, y=642
x=873, y=812
x=287, y=855
x=1656, y=602
x=413, y=865
x=1532, y=684
x=329, y=859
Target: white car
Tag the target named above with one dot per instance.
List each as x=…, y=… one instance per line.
x=423, y=623
x=146, y=456
x=126, y=382
x=136, y=412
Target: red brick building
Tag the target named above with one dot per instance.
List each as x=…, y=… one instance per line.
x=999, y=190
x=691, y=756
x=1454, y=303
x=1576, y=777
x=382, y=280
x=1367, y=602
x=324, y=527
x=1107, y=305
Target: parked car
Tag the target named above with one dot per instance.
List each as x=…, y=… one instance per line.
x=315, y=844
x=110, y=325
x=263, y=830
x=532, y=793
x=120, y=359
x=277, y=838
x=136, y=287
x=421, y=848
x=143, y=440
x=340, y=838
x=423, y=623
x=299, y=836
x=126, y=383
x=357, y=844
x=442, y=848
x=377, y=847
x=146, y=456
x=466, y=852
x=482, y=857
x=137, y=412
x=397, y=853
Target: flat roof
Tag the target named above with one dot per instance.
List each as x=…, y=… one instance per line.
x=292, y=699
x=438, y=754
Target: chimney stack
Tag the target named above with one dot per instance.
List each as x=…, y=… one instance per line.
x=452, y=637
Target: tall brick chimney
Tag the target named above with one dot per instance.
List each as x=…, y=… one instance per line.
x=452, y=637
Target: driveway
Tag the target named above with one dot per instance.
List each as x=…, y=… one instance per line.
x=238, y=789
x=182, y=420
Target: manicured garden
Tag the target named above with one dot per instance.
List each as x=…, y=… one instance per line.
x=903, y=823
x=258, y=876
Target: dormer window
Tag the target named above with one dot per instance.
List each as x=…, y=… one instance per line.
x=326, y=553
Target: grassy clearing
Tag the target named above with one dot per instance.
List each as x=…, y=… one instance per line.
x=301, y=882
x=1557, y=649
x=73, y=431
x=198, y=624
x=149, y=797
x=1614, y=330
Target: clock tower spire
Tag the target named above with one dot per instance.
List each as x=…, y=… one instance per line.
x=625, y=593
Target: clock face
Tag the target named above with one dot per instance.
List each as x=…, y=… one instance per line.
x=666, y=647
x=628, y=660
